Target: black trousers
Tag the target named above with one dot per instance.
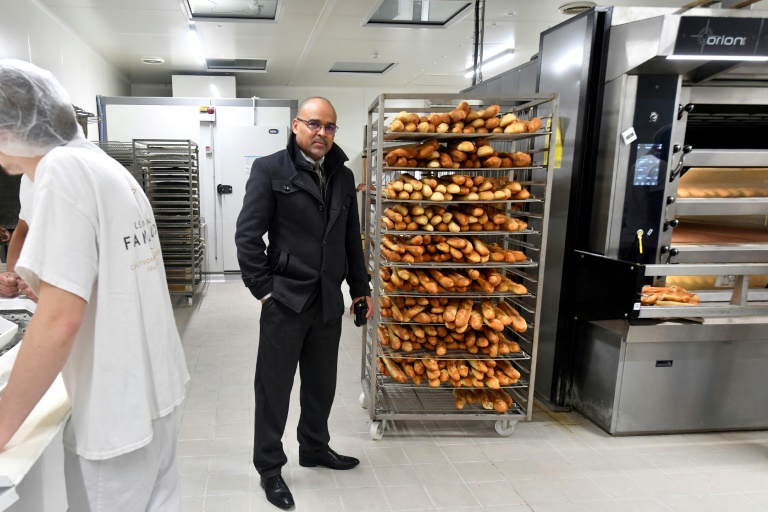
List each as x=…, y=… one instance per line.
x=287, y=340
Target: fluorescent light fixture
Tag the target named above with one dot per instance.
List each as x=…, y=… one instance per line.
x=214, y=91
x=492, y=62
x=194, y=41
x=745, y=58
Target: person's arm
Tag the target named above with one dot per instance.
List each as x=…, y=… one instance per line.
x=9, y=280
x=252, y=223
x=46, y=347
x=17, y=242
x=11, y=284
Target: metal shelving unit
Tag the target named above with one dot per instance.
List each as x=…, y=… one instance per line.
x=122, y=152
x=386, y=399
x=171, y=180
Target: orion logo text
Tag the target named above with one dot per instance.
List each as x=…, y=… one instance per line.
x=706, y=37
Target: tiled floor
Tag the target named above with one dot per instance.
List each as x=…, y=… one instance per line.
x=556, y=463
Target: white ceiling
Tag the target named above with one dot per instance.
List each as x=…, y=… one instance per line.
x=309, y=37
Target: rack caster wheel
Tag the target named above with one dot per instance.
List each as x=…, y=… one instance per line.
x=377, y=429
x=505, y=427
x=361, y=400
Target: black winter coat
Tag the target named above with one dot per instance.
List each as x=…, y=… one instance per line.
x=312, y=241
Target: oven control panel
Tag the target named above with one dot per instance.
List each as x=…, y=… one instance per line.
x=649, y=144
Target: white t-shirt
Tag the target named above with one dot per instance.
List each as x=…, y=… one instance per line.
x=94, y=235
x=26, y=192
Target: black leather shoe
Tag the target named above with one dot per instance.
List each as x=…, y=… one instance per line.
x=327, y=458
x=277, y=492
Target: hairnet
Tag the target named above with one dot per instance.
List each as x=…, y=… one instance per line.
x=36, y=114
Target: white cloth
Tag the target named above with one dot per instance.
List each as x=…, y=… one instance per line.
x=26, y=198
x=94, y=235
x=146, y=479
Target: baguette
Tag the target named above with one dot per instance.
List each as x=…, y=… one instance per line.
x=463, y=313
x=394, y=370
x=517, y=322
x=450, y=311
x=486, y=306
x=476, y=319
x=427, y=282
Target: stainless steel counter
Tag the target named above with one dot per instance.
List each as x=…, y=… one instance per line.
x=32, y=464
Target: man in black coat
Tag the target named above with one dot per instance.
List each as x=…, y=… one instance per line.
x=304, y=198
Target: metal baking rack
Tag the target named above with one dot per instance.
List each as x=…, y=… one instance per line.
x=122, y=152
x=386, y=399
x=171, y=180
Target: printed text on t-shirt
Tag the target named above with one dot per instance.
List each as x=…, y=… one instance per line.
x=145, y=233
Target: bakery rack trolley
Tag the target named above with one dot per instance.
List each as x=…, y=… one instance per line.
x=171, y=180
x=386, y=399
x=122, y=152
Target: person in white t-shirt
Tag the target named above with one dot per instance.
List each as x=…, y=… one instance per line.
x=104, y=317
x=11, y=284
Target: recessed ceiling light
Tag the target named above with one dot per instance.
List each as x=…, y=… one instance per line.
x=511, y=13
x=153, y=60
x=572, y=8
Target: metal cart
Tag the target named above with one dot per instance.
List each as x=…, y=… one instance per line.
x=122, y=152
x=171, y=180
x=386, y=399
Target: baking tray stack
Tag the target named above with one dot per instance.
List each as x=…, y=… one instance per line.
x=122, y=152
x=171, y=180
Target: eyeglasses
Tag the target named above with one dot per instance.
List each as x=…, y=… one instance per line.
x=315, y=126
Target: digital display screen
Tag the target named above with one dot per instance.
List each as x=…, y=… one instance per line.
x=647, y=165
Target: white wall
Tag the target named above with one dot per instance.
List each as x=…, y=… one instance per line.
x=152, y=90
x=195, y=86
x=31, y=32
x=351, y=106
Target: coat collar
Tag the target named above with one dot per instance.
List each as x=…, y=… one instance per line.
x=334, y=159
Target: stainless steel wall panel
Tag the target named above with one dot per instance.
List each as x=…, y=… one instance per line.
x=605, y=182
x=596, y=375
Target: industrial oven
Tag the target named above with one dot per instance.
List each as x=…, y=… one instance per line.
x=678, y=196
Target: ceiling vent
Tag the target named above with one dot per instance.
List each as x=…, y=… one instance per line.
x=572, y=8
x=237, y=65
x=152, y=61
x=365, y=68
